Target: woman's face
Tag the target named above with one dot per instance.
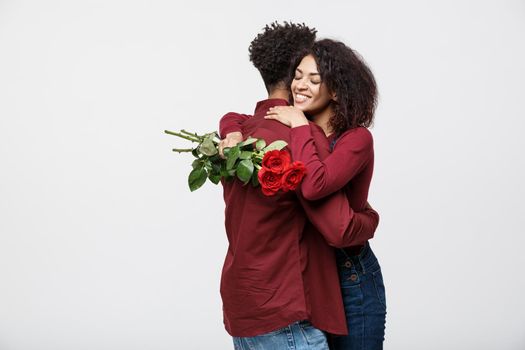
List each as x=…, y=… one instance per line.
x=309, y=93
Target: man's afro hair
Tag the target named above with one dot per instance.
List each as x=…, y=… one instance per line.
x=272, y=50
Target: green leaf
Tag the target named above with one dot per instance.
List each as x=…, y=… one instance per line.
x=197, y=178
x=214, y=136
x=215, y=178
x=278, y=145
x=260, y=144
x=245, y=170
x=195, y=152
x=255, y=178
x=216, y=166
x=248, y=141
x=233, y=155
x=208, y=165
x=208, y=148
x=223, y=172
x=197, y=163
x=246, y=154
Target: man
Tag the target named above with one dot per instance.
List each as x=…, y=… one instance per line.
x=279, y=283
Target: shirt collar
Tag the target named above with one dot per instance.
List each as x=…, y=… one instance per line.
x=266, y=104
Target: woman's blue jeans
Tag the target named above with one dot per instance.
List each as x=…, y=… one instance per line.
x=364, y=301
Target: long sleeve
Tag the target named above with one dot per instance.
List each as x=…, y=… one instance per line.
x=333, y=215
x=231, y=122
x=338, y=223
x=353, y=151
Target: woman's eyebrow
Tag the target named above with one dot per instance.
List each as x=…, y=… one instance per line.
x=300, y=71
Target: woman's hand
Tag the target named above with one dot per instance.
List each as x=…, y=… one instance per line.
x=288, y=115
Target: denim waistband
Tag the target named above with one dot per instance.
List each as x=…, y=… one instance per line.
x=363, y=262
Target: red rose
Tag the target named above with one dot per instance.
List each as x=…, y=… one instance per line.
x=270, y=182
x=293, y=176
x=276, y=161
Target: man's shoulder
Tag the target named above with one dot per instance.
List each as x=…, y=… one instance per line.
x=267, y=129
x=236, y=115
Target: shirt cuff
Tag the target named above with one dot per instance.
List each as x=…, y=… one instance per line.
x=225, y=131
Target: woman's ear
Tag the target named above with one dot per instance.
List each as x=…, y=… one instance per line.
x=334, y=96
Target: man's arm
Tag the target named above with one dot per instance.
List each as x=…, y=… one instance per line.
x=231, y=122
x=230, y=130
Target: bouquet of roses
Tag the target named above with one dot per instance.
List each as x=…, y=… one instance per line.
x=251, y=161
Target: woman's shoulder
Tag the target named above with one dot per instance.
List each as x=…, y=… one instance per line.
x=358, y=138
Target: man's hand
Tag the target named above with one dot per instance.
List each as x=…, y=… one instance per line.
x=231, y=140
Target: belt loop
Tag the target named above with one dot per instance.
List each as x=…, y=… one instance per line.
x=363, y=253
x=362, y=266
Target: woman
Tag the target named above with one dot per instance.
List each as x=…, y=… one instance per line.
x=336, y=90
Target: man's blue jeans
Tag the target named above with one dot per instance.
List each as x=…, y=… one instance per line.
x=364, y=301
x=300, y=335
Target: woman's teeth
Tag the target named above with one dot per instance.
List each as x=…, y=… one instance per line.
x=301, y=98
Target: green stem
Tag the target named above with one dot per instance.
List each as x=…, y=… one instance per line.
x=192, y=134
x=182, y=136
x=180, y=150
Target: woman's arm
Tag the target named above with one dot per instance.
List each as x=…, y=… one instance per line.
x=333, y=215
x=338, y=223
x=353, y=150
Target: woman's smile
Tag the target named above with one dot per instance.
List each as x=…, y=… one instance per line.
x=309, y=93
x=300, y=98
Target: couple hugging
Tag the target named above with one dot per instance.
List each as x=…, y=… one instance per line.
x=299, y=272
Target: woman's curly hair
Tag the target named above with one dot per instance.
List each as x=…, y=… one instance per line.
x=346, y=74
x=272, y=50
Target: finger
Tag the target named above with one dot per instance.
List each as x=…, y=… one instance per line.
x=221, y=149
x=276, y=117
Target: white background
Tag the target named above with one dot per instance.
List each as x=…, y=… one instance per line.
x=102, y=246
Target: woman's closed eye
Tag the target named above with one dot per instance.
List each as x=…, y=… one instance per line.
x=316, y=82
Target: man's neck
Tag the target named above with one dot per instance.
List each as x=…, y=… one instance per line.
x=279, y=93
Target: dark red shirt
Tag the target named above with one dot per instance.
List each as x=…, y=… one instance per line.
x=350, y=165
x=278, y=269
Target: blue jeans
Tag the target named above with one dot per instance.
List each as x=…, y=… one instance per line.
x=300, y=335
x=364, y=301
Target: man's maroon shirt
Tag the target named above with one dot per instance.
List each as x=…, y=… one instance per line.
x=278, y=268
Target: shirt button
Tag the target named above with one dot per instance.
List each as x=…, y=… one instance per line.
x=353, y=277
x=348, y=264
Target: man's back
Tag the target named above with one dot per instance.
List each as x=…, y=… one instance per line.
x=261, y=284
x=276, y=272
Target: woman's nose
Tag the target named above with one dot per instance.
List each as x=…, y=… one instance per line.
x=302, y=85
